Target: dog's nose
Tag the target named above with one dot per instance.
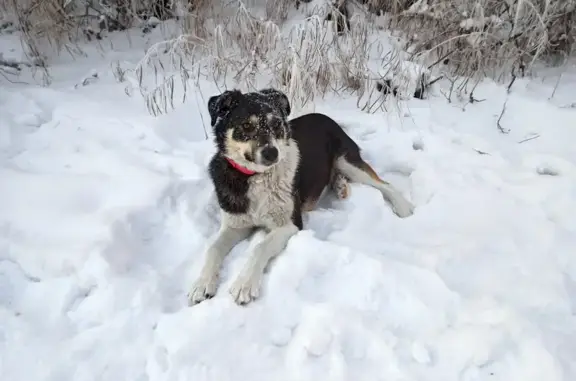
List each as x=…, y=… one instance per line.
x=269, y=154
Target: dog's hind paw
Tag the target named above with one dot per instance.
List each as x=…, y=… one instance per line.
x=245, y=289
x=402, y=207
x=341, y=186
x=204, y=288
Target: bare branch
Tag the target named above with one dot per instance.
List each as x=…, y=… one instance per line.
x=502, y=129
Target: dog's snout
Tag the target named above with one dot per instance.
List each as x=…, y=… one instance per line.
x=269, y=154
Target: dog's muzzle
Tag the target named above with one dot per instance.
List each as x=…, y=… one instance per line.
x=268, y=155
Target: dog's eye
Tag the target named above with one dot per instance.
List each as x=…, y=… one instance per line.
x=248, y=128
x=276, y=126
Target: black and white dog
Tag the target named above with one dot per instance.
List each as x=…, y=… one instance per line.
x=266, y=172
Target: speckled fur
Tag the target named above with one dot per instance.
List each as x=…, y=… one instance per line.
x=270, y=194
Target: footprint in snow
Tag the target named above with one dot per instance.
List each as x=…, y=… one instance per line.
x=418, y=144
x=549, y=165
x=547, y=171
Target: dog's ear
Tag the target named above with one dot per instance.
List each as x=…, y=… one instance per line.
x=220, y=105
x=212, y=110
x=278, y=99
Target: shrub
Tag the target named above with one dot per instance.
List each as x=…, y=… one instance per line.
x=337, y=47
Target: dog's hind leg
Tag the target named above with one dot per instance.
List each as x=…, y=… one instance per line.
x=339, y=185
x=247, y=286
x=207, y=283
x=358, y=171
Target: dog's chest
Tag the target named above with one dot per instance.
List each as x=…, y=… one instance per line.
x=271, y=201
x=270, y=198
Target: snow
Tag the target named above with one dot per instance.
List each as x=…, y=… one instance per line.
x=105, y=211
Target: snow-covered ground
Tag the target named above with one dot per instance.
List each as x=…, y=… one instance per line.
x=105, y=212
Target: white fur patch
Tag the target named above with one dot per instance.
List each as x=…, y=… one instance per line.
x=340, y=186
x=270, y=193
x=235, y=150
x=401, y=206
x=246, y=287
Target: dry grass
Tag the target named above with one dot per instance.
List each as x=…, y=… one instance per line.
x=306, y=61
x=41, y=22
x=487, y=38
x=236, y=43
x=461, y=40
x=248, y=50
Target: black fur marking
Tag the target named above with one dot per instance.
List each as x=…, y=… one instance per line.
x=275, y=98
x=245, y=132
x=212, y=110
x=241, y=112
x=321, y=142
x=297, y=213
x=252, y=117
x=231, y=185
x=221, y=105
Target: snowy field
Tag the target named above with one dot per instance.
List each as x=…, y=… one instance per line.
x=105, y=211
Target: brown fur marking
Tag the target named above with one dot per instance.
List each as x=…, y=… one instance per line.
x=368, y=169
x=309, y=205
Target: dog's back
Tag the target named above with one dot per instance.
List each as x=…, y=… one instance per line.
x=321, y=142
x=327, y=151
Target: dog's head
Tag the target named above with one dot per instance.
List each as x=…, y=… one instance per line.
x=275, y=98
x=251, y=128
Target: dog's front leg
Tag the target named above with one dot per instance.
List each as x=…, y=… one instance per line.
x=247, y=286
x=207, y=283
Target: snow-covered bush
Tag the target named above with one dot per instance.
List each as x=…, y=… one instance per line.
x=486, y=37
x=48, y=26
x=333, y=48
x=307, y=59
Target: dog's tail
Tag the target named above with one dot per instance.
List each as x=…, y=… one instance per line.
x=351, y=165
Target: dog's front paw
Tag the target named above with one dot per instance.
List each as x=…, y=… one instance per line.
x=204, y=288
x=245, y=289
x=403, y=208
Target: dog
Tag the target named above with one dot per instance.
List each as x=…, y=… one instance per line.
x=267, y=171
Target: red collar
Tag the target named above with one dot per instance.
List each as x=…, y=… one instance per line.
x=240, y=168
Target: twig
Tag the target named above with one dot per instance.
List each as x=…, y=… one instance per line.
x=535, y=136
x=199, y=108
x=502, y=129
x=10, y=80
x=556, y=86
x=441, y=59
x=452, y=84
x=434, y=81
x=474, y=100
x=11, y=64
x=511, y=82
x=471, y=98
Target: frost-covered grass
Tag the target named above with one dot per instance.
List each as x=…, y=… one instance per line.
x=105, y=211
x=291, y=45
